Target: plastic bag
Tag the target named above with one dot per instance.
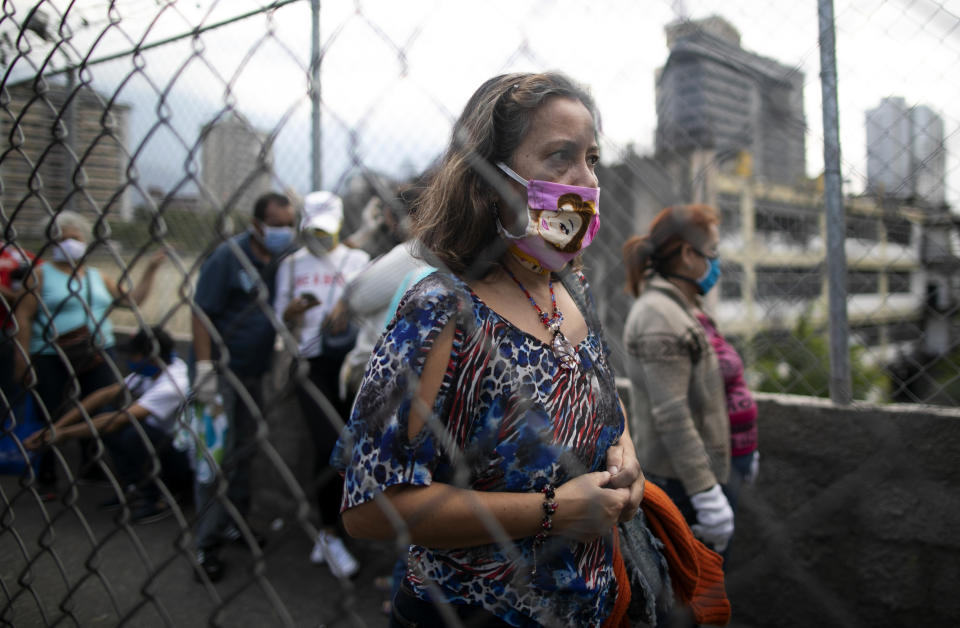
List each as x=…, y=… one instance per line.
x=208, y=426
x=17, y=426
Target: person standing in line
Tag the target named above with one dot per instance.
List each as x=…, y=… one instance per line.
x=310, y=283
x=690, y=401
x=488, y=418
x=233, y=331
x=368, y=296
x=14, y=266
x=67, y=299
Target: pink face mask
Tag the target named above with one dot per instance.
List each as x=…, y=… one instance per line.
x=562, y=220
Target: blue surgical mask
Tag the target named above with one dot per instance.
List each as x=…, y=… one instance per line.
x=277, y=239
x=709, y=278
x=143, y=367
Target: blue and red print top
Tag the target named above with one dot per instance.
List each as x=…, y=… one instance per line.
x=508, y=418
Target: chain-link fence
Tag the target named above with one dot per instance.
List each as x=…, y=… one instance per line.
x=162, y=122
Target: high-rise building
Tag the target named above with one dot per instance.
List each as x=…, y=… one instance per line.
x=712, y=95
x=906, y=158
x=237, y=163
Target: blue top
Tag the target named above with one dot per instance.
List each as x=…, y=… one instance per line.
x=509, y=419
x=62, y=299
x=239, y=304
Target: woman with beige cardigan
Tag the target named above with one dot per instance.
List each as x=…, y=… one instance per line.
x=687, y=380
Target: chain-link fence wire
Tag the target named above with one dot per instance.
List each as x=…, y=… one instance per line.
x=162, y=121
x=898, y=223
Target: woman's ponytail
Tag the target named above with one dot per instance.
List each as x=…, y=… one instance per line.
x=637, y=254
x=642, y=255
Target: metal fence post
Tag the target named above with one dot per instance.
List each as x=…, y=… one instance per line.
x=70, y=160
x=840, y=388
x=316, y=152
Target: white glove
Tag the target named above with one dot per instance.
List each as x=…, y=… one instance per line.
x=754, y=471
x=714, y=518
x=205, y=386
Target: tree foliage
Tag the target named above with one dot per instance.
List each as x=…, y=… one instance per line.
x=185, y=229
x=798, y=363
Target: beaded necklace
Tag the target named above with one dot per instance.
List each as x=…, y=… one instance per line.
x=562, y=349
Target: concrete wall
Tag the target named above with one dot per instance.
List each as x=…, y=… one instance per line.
x=853, y=521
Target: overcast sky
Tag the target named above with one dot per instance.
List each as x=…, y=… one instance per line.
x=396, y=73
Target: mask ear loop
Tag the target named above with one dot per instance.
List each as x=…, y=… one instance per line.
x=507, y=170
x=516, y=177
x=658, y=269
x=506, y=234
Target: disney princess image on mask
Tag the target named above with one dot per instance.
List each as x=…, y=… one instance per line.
x=566, y=227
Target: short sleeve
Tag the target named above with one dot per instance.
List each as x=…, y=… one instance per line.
x=167, y=394
x=357, y=262
x=371, y=290
x=374, y=451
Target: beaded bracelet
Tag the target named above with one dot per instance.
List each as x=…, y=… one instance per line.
x=549, y=508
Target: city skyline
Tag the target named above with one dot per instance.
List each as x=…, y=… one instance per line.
x=396, y=116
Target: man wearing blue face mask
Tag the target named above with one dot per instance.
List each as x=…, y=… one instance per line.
x=234, y=294
x=158, y=387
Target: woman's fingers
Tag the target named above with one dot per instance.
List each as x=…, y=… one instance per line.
x=633, y=503
x=588, y=507
x=35, y=440
x=615, y=459
x=628, y=473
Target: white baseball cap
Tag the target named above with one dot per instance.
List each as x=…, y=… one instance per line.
x=322, y=210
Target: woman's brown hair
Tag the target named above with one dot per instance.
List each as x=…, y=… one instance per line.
x=669, y=230
x=455, y=217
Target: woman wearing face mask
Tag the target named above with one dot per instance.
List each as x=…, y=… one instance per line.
x=487, y=425
x=309, y=283
x=66, y=297
x=691, y=407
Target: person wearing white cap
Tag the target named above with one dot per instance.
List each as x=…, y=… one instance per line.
x=309, y=284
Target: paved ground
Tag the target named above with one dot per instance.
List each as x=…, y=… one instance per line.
x=98, y=571
x=114, y=574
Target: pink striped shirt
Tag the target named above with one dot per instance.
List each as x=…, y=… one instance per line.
x=740, y=404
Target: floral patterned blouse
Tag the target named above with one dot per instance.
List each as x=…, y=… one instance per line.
x=515, y=421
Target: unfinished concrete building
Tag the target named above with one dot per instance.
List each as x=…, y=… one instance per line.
x=715, y=98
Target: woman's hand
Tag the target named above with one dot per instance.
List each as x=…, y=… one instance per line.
x=625, y=473
x=38, y=439
x=298, y=307
x=586, y=509
x=338, y=319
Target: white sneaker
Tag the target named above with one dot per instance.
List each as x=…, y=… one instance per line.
x=342, y=564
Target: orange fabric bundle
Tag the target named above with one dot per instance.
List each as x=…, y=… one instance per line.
x=618, y=617
x=695, y=570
